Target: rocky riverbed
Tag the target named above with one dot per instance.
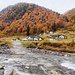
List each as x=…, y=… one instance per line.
x=21, y=61
x=4, y=49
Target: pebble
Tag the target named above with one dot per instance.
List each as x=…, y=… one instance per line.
x=1, y=67
x=8, y=72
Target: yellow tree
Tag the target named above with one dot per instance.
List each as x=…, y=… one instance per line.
x=45, y=29
x=39, y=28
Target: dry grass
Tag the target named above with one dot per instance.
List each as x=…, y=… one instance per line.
x=6, y=42
x=29, y=44
x=57, y=46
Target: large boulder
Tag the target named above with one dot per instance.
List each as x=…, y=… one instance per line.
x=1, y=69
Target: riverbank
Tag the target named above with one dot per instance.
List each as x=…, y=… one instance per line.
x=58, y=53
x=6, y=50
x=28, y=61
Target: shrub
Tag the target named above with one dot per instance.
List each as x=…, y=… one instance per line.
x=9, y=43
x=73, y=41
x=48, y=47
x=18, y=38
x=31, y=45
x=57, y=46
x=6, y=43
x=43, y=42
x=24, y=44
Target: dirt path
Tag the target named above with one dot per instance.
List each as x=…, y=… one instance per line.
x=25, y=62
x=17, y=48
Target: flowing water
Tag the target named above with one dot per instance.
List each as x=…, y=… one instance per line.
x=23, y=61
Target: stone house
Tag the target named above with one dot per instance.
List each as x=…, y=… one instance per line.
x=34, y=38
x=57, y=36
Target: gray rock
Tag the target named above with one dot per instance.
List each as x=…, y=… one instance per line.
x=1, y=72
x=1, y=67
x=8, y=71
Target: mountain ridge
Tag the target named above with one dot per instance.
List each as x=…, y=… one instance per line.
x=70, y=14
x=14, y=19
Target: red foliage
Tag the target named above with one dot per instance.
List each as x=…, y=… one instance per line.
x=15, y=19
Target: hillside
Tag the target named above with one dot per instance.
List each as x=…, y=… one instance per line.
x=70, y=14
x=15, y=19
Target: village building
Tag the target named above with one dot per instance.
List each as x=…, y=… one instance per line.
x=32, y=38
x=55, y=37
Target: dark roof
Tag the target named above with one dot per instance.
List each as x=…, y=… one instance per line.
x=35, y=36
x=32, y=36
x=54, y=36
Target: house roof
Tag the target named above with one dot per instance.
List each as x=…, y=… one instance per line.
x=34, y=36
x=54, y=36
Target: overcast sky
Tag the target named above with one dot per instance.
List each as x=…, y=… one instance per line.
x=56, y=5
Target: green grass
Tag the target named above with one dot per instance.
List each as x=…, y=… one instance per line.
x=10, y=43
x=29, y=44
x=24, y=44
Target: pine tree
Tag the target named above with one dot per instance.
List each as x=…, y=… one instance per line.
x=54, y=27
x=28, y=30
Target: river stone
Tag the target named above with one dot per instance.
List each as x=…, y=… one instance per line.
x=58, y=70
x=8, y=72
x=1, y=67
x=14, y=73
x=55, y=72
x=1, y=72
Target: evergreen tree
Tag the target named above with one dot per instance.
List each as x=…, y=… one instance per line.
x=54, y=27
x=28, y=30
x=66, y=18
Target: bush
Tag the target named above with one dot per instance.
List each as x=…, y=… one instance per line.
x=48, y=47
x=9, y=43
x=43, y=42
x=73, y=41
x=31, y=45
x=18, y=38
x=56, y=46
x=24, y=44
x=6, y=43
